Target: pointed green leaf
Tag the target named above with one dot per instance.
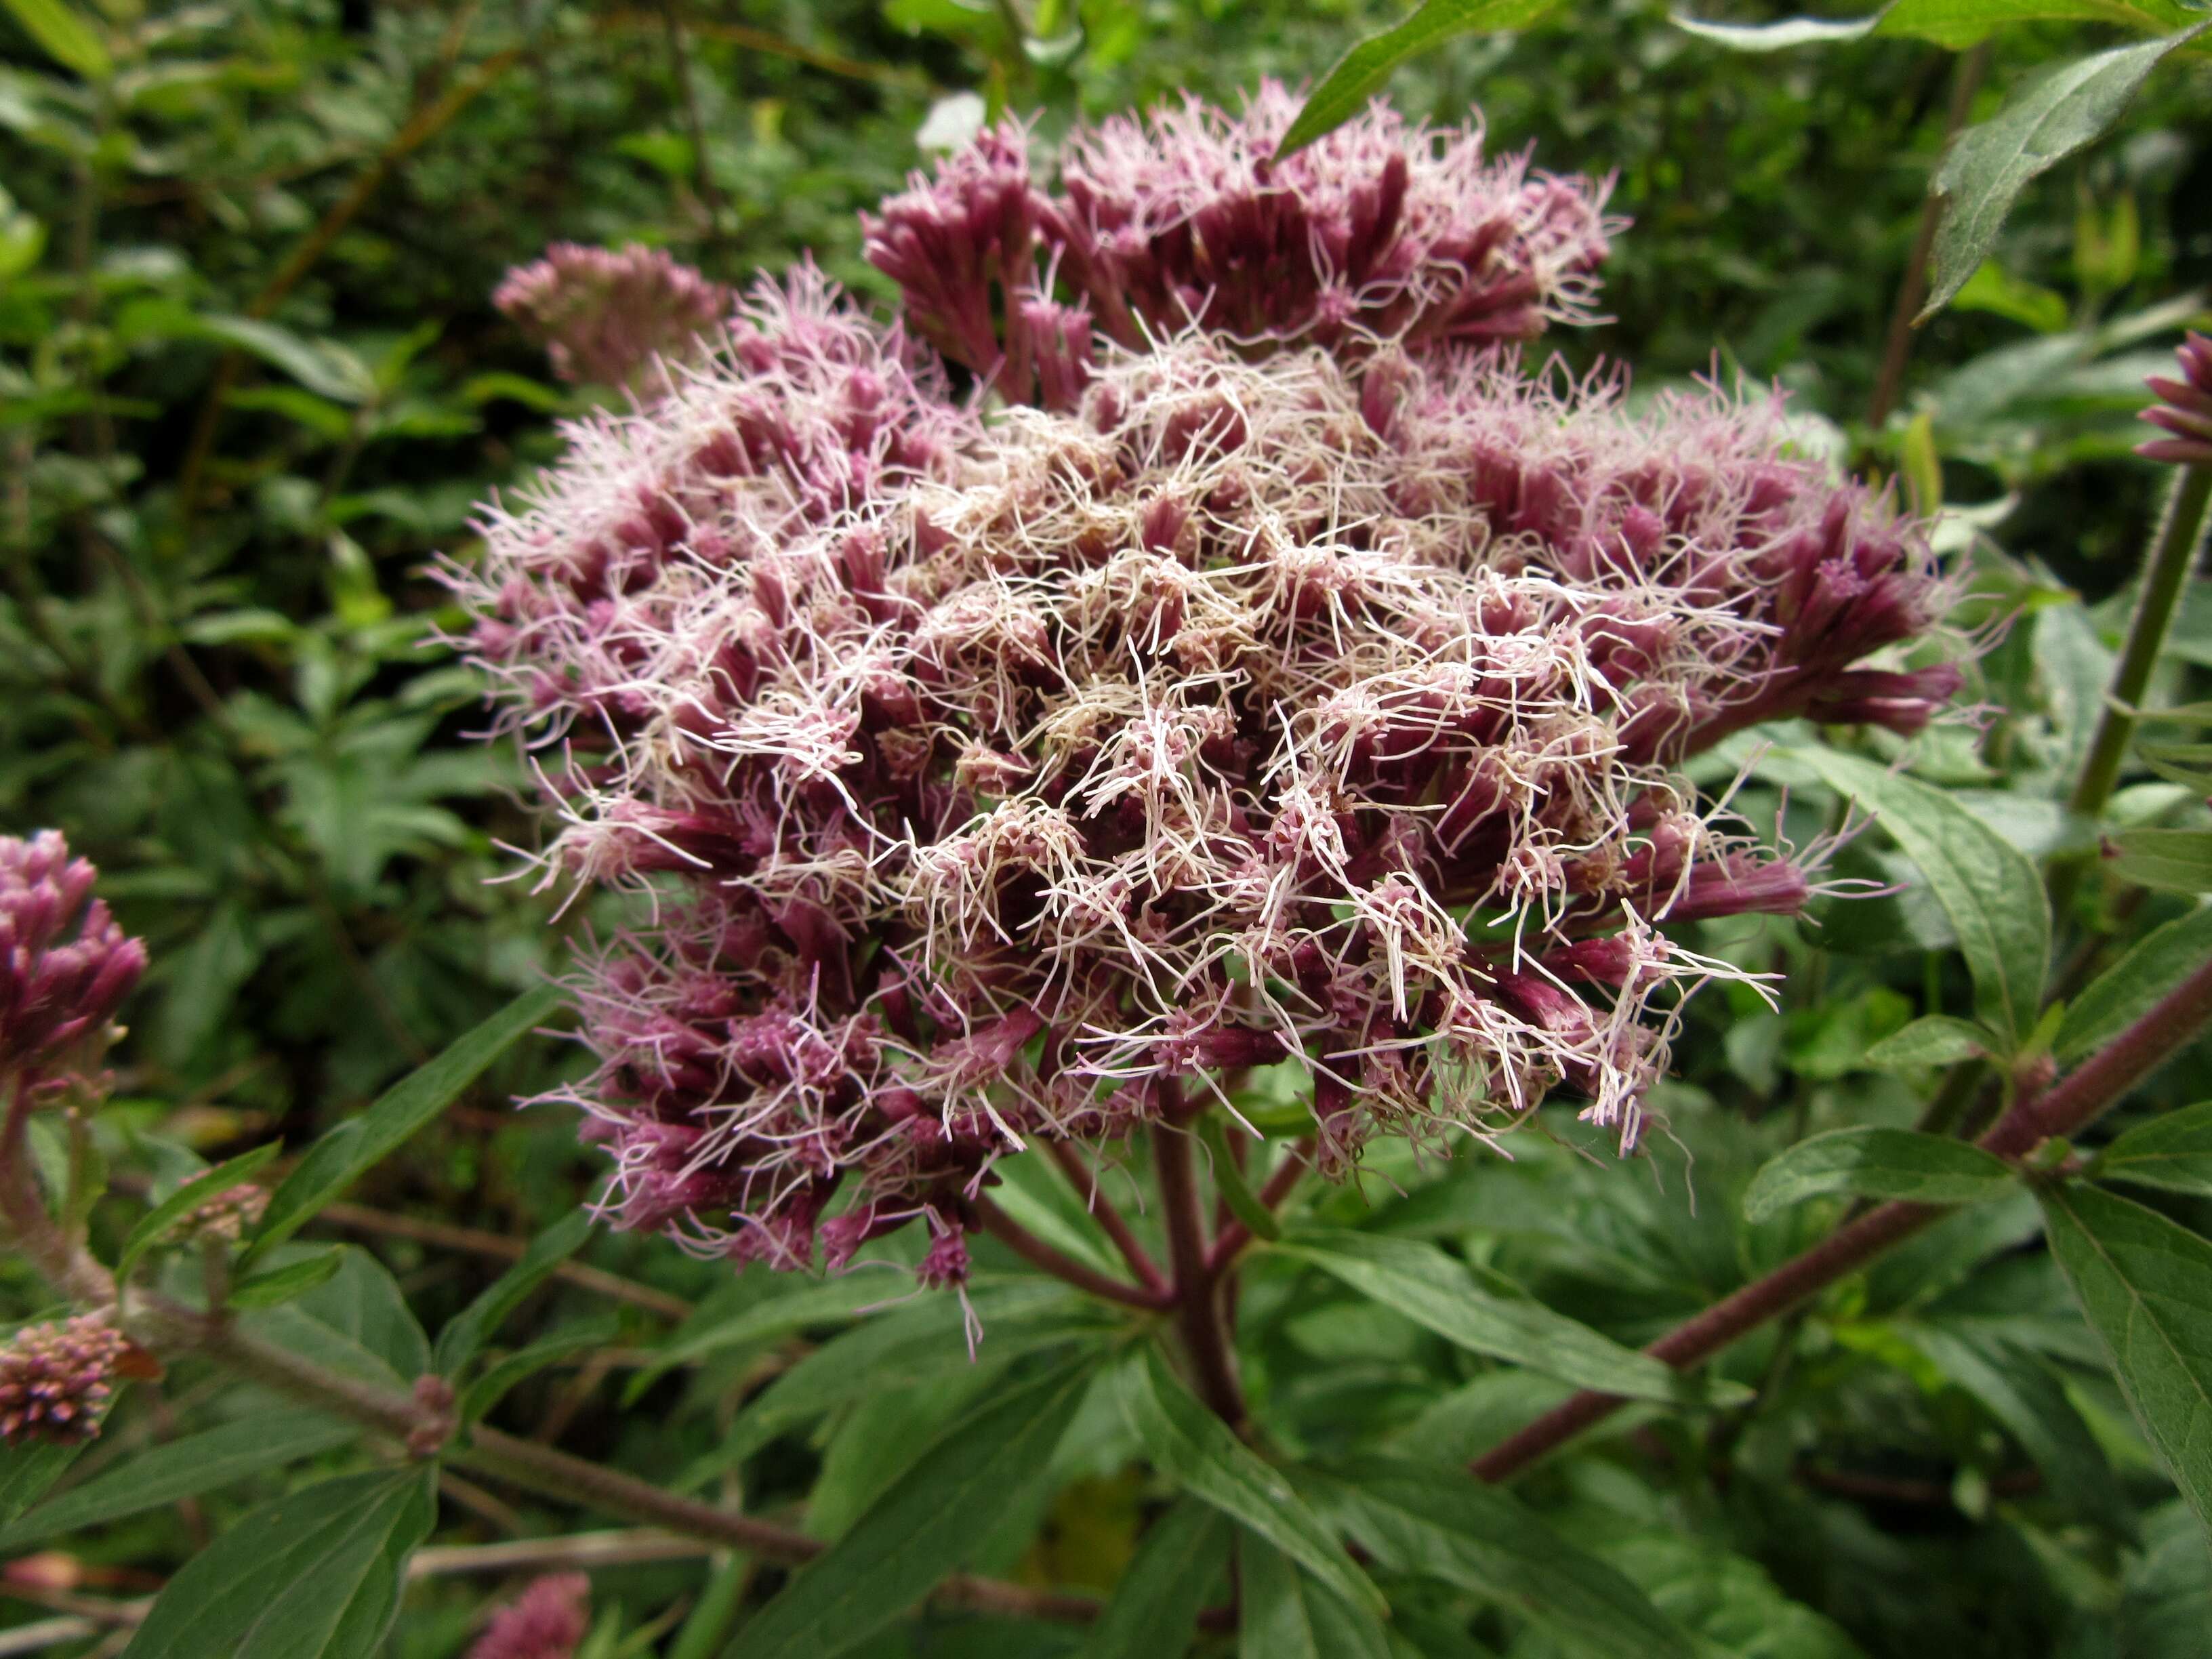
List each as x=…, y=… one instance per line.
x=1986, y=885
x=2068, y=109
x=2165, y=860
x=336, y=1161
x=1283, y=1614
x=2172, y=1151
x=1429, y=1287
x=1872, y=1162
x=156, y=1222
x=2146, y=1284
x=1361, y=72
x=1200, y=1453
x=465, y=1336
x=316, y=1575
x=274, y=1286
x=1162, y=1590
x=66, y=37
x=1935, y=1039
x=358, y=1323
x=182, y=1469
x=1437, y=1524
x=1957, y=24
x=924, y=1528
x=2126, y=991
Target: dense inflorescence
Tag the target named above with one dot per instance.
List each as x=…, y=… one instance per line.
x=1003, y=772
x=56, y=1380
x=548, y=1620
x=604, y=317
x=65, y=965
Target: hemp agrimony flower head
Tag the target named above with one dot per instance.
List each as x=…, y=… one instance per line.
x=56, y=1380
x=604, y=317
x=1288, y=692
x=65, y=966
x=2184, y=408
x=548, y=1620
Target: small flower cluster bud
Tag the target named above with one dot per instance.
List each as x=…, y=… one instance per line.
x=1184, y=218
x=604, y=317
x=65, y=966
x=549, y=1620
x=226, y=1216
x=1282, y=688
x=2184, y=408
x=56, y=1379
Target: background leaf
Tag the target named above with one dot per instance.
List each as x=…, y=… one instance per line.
x=1156, y=1605
x=1875, y=1163
x=1283, y=1614
x=316, y=1575
x=1359, y=74
x=67, y=38
x=2172, y=1151
x=2126, y=991
x=2145, y=1284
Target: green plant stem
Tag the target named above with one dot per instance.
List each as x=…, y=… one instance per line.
x=1199, y=1317
x=2091, y=1089
x=2166, y=565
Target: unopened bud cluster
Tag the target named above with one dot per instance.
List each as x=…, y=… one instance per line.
x=548, y=1620
x=56, y=1379
x=1260, y=665
x=603, y=317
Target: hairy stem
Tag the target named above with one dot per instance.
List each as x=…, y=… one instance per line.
x=1041, y=1255
x=1198, y=1304
x=2091, y=1089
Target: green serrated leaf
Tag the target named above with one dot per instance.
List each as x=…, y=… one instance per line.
x=1437, y=1524
x=902, y=1547
x=2126, y=990
x=1988, y=887
x=2068, y=109
x=1283, y=1614
x=156, y=1222
x=1429, y=1287
x=1360, y=73
x=1164, y=1588
x=2145, y=1284
x=1875, y=1163
x=336, y=1161
x=183, y=1469
x=1934, y=1040
x=2172, y=1151
x=465, y=1335
x=1199, y=1453
x=316, y=1575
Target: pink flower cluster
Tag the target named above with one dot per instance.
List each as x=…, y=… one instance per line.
x=1280, y=691
x=606, y=318
x=548, y=1620
x=1183, y=219
x=55, y=1379
x=2184, y=408
x=65, y=966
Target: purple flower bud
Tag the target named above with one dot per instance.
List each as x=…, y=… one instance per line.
x=65, y=966
x=604, y=317
x=2184, y=408
x=549, y=1620
x=56, y=1380
x=225, y=1216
